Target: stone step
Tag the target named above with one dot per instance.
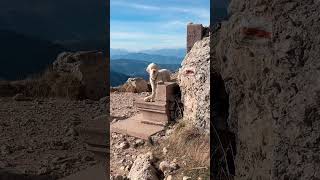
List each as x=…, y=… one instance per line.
x=134, y=127
x=155, y=113
x=152, y=122
x=160, y=106
x=156, y=118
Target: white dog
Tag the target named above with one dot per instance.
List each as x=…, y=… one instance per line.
x=156, y=76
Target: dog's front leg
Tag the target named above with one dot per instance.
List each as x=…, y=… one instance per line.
x=153, y=94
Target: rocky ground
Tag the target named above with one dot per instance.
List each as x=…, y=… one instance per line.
x=135, y=158
x=39, y=137
x=124, y=149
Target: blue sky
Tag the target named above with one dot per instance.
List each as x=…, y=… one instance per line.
x=154, y=24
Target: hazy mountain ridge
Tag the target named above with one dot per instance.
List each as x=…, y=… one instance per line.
x=25, y=55
x=134, y=68
x=117, y=78
x=159, y=59
x=174, y=52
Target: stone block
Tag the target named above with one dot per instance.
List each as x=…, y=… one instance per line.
x=165, y=92
x=194, y=34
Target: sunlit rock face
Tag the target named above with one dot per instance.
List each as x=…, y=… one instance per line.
x=194, y=82
x=268, y=57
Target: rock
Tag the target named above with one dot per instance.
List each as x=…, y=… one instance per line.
x=174, y=165
x=21, y=97
x=138, y=142
x=266, y=63
x=123, y=145
x=142, y=168
x=164, y=166
x=186, y=178
x=164, y=151
x=136, y=85
x=194, y=82
x=169, y=177
x=89, y=67
x=118, y=177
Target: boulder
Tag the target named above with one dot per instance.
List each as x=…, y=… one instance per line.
x=194, y=82
x=135, y=85
x=268, y=58
x=90, y=67
x=142, y=168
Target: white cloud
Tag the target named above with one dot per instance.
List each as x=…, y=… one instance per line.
x=138, y=41
x=201, y=13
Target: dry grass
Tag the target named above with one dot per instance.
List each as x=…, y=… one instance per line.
x=191, y=148
x=51, y=84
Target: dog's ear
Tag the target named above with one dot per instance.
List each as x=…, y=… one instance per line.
x=148, y=69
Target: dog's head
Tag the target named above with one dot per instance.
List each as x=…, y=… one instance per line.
x=152, y=69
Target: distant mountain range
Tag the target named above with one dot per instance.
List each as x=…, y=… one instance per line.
x=133, y=64
x=23, y=55
x=117, y=78
x=158, y=59
x=179, y=52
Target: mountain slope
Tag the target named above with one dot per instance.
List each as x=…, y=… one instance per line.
x=23, y=55
x=117, y=78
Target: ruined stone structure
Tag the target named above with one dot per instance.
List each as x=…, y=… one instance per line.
x=153, y=116
x=90, y=67
x=195, y=32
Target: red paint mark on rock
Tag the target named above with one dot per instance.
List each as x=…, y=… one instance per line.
x=256, y=32
x=189, y=72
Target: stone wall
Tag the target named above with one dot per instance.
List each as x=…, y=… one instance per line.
x=268, y=58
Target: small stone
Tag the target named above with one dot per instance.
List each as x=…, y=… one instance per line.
x=186, y=178
x=128, y=167
x=138, y=142
x=165, y=151
x=122, y=168
x=164, y=166
x=123, y=145
x=169, y=177
x=174, y=165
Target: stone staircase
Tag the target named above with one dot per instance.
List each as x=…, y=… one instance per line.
x=153, y=116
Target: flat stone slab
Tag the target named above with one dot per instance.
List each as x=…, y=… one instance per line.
x=134, y=127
